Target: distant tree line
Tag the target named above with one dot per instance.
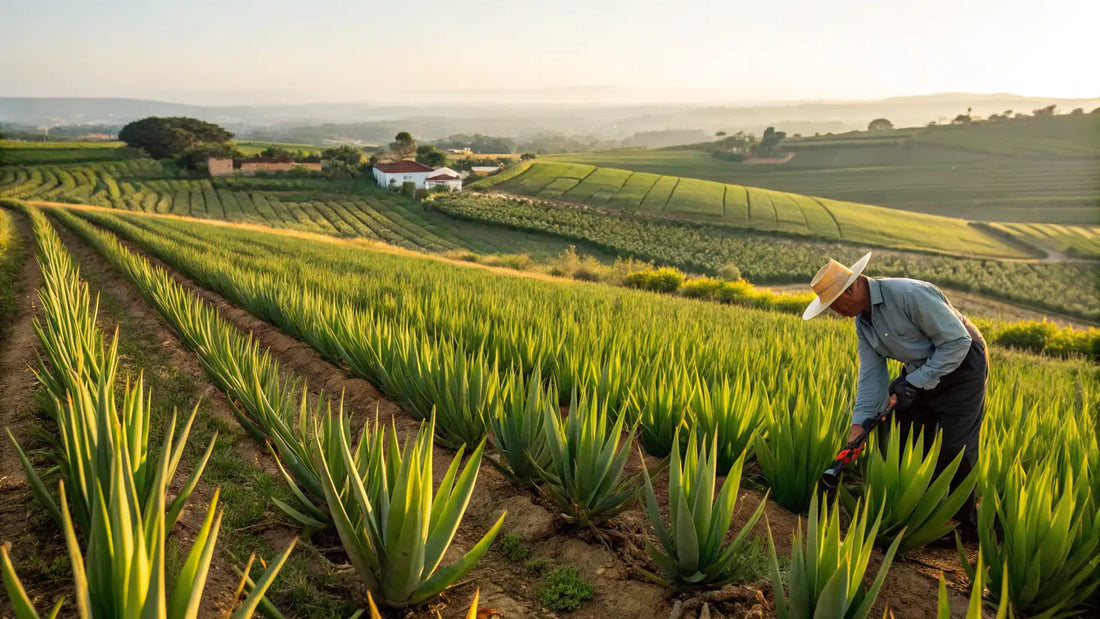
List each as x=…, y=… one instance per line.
x=740, y=146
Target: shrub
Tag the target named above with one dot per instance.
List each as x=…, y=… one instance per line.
x=664, y=279
x=1029, y=335
x=729, y=272
x=701, y=288
x=792, y=303
x=639, y=279
x=563, y=588
x=667, y=279
x=408, y=189
x=739, y=292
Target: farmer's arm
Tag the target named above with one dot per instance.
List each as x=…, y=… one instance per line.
x=874, y=378
x=929, y=311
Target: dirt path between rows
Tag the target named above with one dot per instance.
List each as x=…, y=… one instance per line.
x=910, y=588
x=21, y=520
x=222, y=581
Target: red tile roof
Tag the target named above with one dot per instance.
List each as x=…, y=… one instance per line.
x=403, y=167
x=444, y=177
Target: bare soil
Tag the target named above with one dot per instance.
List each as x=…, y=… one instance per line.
x=612, y=558
x=33, y=536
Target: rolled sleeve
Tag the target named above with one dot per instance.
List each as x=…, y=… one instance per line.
x=874, y=378
x=930, y=312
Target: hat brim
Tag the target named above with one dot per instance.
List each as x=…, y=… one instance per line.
x=819, y=304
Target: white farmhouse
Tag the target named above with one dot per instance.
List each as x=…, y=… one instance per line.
x=444, y=177
x=394, y=175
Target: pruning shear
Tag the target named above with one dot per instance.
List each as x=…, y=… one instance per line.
x=830, y=479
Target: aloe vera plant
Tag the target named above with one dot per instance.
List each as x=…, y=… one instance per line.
x=732, y=413
x=518, y=425
x=826, y=573
x=394, y=528
x=1048, y=551
x=800, y=442
x=693, y=551
x=587, y=460
x=914, y=498
x=660, y=407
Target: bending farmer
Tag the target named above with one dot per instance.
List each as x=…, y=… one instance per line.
x=942, y=384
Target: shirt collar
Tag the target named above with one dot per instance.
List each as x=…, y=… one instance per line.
x=876, y=291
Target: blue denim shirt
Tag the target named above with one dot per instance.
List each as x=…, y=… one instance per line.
x=910, y=321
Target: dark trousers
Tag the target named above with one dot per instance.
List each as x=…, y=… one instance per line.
x=956, y=406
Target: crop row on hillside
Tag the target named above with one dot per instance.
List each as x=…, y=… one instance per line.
x=647, y=358
x=916, y=177
x=348, y=209
x=757, y=209
x=1069, y=288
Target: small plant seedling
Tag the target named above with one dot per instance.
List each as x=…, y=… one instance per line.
x=563, y=588
x=513, y=547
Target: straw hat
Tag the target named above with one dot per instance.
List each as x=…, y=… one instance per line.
x=832, y=280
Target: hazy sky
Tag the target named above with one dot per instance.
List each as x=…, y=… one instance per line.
x=246, y=51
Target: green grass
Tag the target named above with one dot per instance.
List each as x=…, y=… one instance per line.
x=915, y=175
x=758, y=209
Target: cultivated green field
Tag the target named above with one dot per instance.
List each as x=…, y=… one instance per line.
x=752, y=382
x=348, y=209
x=28, y=153
x=251, y=147
x=1070, y=288
x=753, y=208
x=1039, y=171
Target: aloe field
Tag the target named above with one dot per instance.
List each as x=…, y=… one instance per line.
x=678, y=441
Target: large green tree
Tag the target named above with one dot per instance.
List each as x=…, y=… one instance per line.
x=403, y=146
x=171, y=136
x=428, y=155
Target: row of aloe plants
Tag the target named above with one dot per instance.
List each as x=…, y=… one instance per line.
x=376, y=493
x=429, y=319
x=112, y=501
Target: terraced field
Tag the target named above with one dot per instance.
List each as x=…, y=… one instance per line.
x=1045, y=171
x=348, y=209
x=753, y=208
x=1072, y=241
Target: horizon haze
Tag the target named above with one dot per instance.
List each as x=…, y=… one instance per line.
x=278, y=52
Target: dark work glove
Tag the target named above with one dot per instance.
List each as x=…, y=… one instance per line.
x=905, y=391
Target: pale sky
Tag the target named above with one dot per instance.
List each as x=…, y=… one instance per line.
x=282, y=51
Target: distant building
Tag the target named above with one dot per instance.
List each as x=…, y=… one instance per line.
x=223, y=166
x=444, y=177
x=484, y=170
x=220, y=166
x=394, y=175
